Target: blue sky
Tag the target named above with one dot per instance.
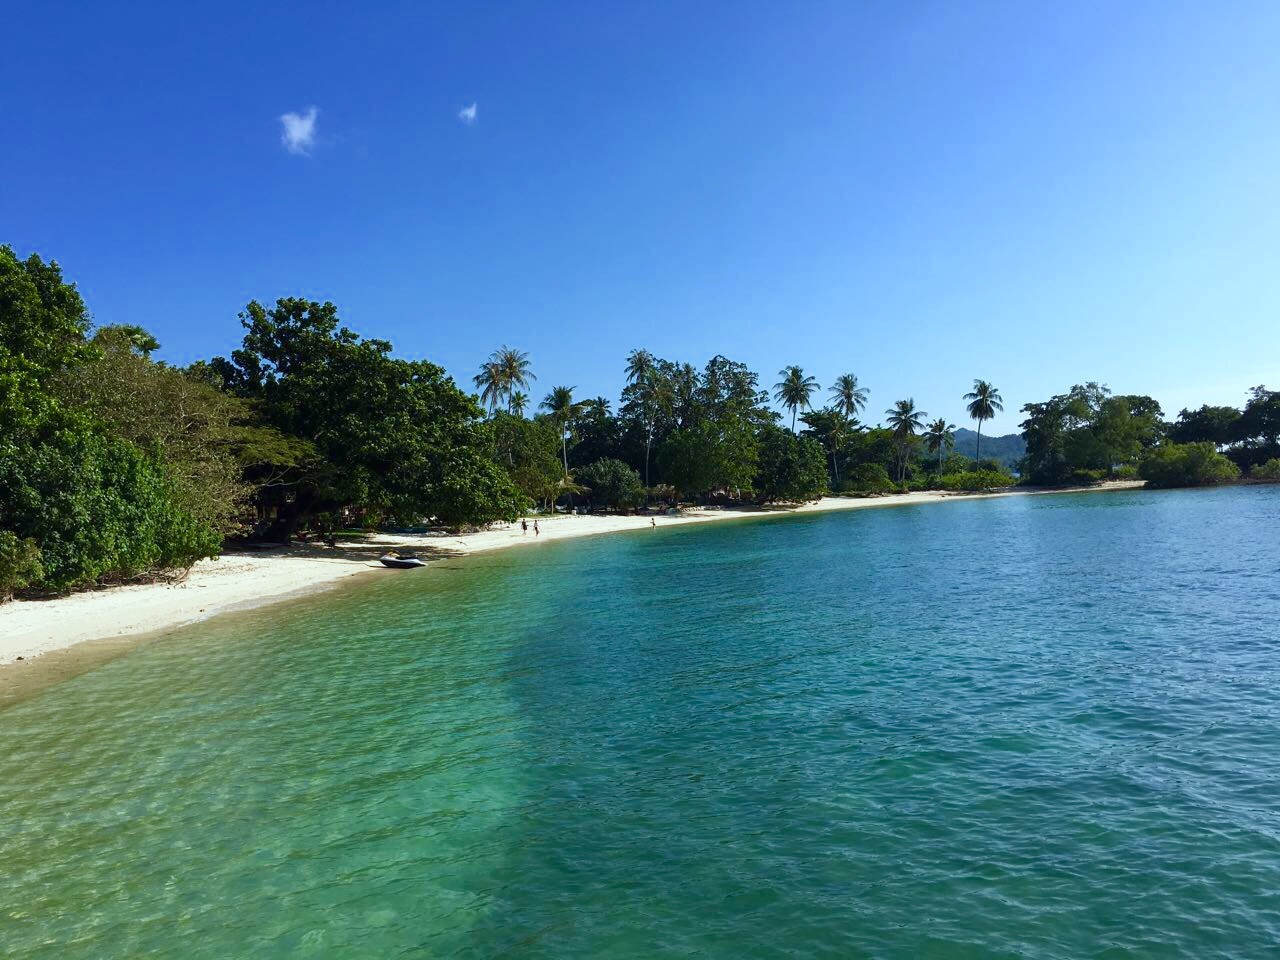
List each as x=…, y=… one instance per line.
x=920, y=193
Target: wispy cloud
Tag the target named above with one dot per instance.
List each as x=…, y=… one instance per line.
x=468, y=114
x=298, y=131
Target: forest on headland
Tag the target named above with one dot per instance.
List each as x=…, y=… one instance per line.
x=115, y=465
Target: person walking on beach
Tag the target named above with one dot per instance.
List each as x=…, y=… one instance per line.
x=653, y=524
x=524, y=525
x=536, y=531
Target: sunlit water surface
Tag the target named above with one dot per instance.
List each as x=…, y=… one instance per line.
x=1032, y=727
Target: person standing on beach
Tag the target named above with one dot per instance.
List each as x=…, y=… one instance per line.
x=524, y=525
x=536, y=531
x=653, y=524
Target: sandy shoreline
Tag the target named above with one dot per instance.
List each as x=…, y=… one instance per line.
x=30, y=629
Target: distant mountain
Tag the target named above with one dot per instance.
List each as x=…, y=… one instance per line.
x=1008, y=449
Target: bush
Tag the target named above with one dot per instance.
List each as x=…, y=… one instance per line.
x=19, y=563
x=1186, y=465
x=1086, y=477
x=611, y=483
x=1266, y=471
x=867, y=478
x=1127, y=472
x=98, y=508
x=977, y=480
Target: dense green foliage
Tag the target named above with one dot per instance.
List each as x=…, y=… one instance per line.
x=611, y=483
x=867, y=478
x=114, y=464
x=1086, y=434
x=1250, y=437
x=395, y=436
x=92, y=503
x=1186, y=465
x=1266, y=471
x=977, y=480
x=791, y=469
x=20, y=563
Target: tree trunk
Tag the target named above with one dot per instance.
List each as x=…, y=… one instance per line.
x=648, y=443
x=977, y=450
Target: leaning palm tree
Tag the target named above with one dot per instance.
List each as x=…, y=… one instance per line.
x=904, y=420
x=559, y=403
x=794, y=390
x=489, y=381
x=939, y=437
x=984, y=401
x=513, y=367
x=517, y=403
x=849, y=398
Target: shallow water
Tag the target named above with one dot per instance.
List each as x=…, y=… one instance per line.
x=1029, y=727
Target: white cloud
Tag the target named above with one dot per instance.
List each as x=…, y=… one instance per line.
x=468, y=114
x=298, y=131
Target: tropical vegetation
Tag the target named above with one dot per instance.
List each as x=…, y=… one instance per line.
x=115, y=465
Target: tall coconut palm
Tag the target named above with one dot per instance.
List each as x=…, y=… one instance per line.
x=849, y=398
x=904, y=420
x=640, y=366
x=513, y=366
x=794, y=390
x=984, y=401
x=643, y=373
x=517, y=403
x=559, y=403
x=489, y=381
x=939, y=437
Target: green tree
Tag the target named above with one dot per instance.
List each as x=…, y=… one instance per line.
x=1216, y=425
x=647, y=397
x=1186, y=465
x=506, y=370
x=398, y=437
x=984, y=401
x=563, y=411
x=904, y=420
x=833, y=430
x=192, y=426
x=791, y=469
x=94, y=505
x=612, y=483
x=794, y=390
x=530, y=455
x=711, y=455
x=939, y=438
x=848, y=397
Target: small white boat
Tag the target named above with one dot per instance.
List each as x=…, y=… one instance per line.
x=405, y=561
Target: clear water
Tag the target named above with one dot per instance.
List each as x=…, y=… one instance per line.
x=1033, y=727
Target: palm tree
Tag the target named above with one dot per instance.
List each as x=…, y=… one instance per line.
x=849, y=398
x=904, y=420
x=794, y=390
x=559, y=403
x=642, y=372
x=938, y=437
x=517, y=403
x=513, y=367
x=489, y=381
x=984, y=401
x=640, y=366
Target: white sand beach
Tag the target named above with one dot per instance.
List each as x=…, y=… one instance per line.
x=32, y=628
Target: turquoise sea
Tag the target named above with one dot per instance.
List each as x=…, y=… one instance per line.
x=1028, y=727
